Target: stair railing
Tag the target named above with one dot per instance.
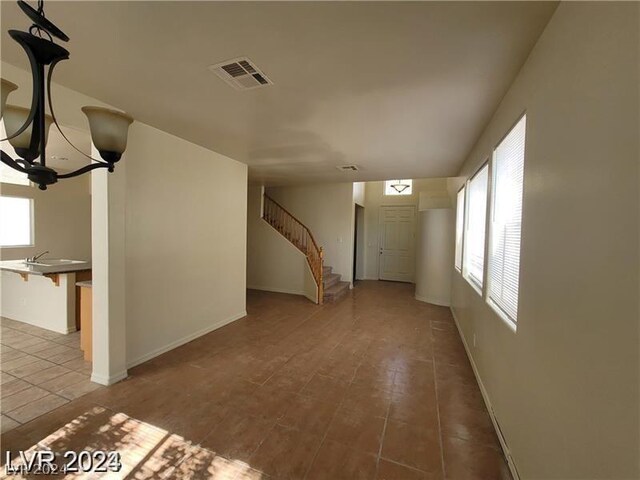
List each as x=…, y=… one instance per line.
x=298, y=234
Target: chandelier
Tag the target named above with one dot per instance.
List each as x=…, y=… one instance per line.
x=27, y=129
x=399, y=186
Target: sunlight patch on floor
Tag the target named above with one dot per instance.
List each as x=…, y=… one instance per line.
x=146, y=451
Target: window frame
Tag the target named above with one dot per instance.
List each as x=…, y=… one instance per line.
x=459, y=205
x=478, y=287
x=511, y=322
x=4, y=180
x=32, y=232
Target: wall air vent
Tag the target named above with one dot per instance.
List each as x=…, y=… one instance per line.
x=348, y=168
x=241, y=73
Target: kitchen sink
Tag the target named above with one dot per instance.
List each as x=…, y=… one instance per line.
x=54, y=262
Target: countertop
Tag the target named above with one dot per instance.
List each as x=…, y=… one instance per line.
x=85, y=284
x=19, y=266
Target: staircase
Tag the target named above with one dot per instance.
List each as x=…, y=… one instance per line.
x=299, y=235
x=330, y=288
x=334, y=288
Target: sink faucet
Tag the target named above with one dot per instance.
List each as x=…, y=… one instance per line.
x=36, y=257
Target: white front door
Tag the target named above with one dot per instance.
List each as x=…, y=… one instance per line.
x=397, y=250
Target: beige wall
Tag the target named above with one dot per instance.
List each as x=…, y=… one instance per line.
x=273, y=263
x=328, y=211
x=434, y=255
x=564, y=386
x=62, y=219
x=375, y=198
x=186, y=217
x=173, y=258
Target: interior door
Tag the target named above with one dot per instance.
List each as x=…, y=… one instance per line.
x=397, y=243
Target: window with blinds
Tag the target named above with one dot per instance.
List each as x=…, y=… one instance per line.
x=459, y=228
x=476, y=213
x=506, y=220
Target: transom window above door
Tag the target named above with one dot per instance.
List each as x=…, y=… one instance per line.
x=398, y=187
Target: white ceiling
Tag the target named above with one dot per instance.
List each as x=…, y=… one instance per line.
x=400, y=89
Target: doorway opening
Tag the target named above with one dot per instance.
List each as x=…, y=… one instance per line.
x=358, y=243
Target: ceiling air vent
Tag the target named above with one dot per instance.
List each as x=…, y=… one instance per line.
x=241, y=73
x=348, y=168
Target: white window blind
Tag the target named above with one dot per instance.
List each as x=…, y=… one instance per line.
x=16, y=221
x=459, y=227
x=473, y=258
x=506, y=220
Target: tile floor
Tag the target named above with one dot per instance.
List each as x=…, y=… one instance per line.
x=377, y=386
x=40, y=371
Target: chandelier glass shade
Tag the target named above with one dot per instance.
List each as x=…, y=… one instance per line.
x=27, y=129
x=14, y=117
x=6, y=87
x=399, y=186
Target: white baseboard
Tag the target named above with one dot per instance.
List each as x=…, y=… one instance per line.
x=63, y=331
x=275, y=289
x=487, y=401
x=110, y=380
x=283, y=290
x=434, y=301
x=183, y=340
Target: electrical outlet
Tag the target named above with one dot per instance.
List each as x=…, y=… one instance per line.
x=23, y=302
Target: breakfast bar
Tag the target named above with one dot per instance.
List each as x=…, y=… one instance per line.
x=42, y=293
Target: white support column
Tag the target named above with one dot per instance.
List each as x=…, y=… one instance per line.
x=108, y=260
x=434, y=258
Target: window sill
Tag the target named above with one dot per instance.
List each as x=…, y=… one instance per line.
x=513, y=326
x=474, y=285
